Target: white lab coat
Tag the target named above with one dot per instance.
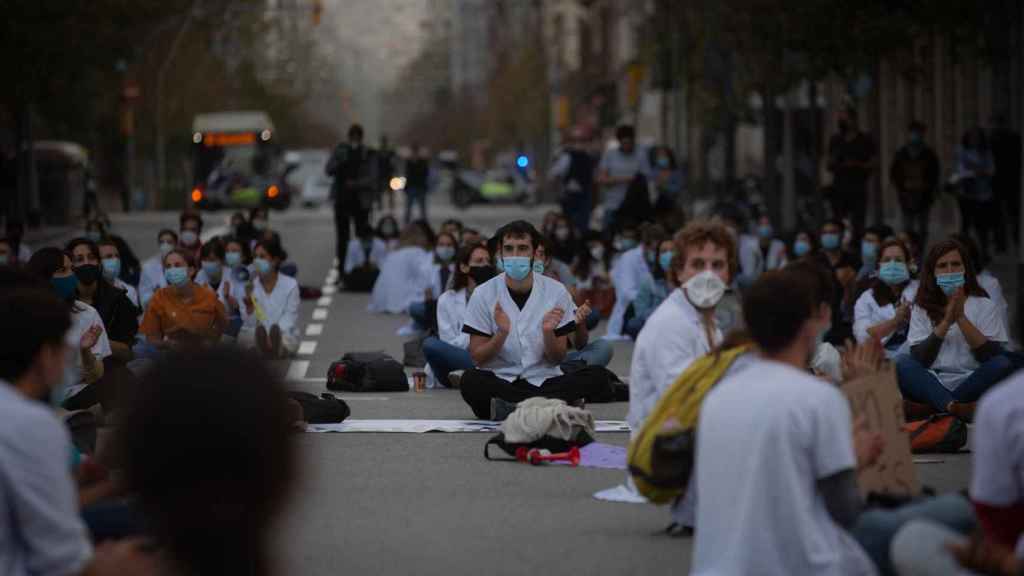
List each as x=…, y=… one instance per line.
x=867, y=313
x=995, y=292
x=281, y=307
x=355, y=255
x=398, y=284
x=430, y=278
x=628, y=274
x=753, y=261
x=451, y=315
x=522, y=356
x=152, y=279
x=671, y=339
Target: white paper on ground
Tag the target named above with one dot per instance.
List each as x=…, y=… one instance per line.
x=421, y=426
x=620, y=493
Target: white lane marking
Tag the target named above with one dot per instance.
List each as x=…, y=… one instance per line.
x=332, y=275
x=324, y=301
x=335, y=262
x=320, y=314
x=329, y=289
x=213, y=233
x=307, y=347
x=297, y=370
x=314, y=329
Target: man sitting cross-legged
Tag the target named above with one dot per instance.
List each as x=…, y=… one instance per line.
x=518, y=324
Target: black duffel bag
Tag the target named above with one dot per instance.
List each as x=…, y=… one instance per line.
x=323, y=409
x=367, y=372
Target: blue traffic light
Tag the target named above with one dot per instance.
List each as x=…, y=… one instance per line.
x=522, y=161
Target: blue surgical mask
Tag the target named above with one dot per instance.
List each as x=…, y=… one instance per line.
x=830, y=241
x=893, y=273
x=663, y=162
x=765, y=231
x=626, y=244
x=517, y=267
x=499, y=265
x=445, y=253
x=65, y=287
x=165, y=248
x=868, y=251
x=538, y=266
x=233, y=259
x=212, y=269
x=111, y=268
x=949, y=283
x=665, y=260
x=176, y=276
x=801, y=248
x=263, y=266
x=94, y=236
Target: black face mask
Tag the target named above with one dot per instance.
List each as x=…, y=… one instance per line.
x=88, y=273
x=481, y=274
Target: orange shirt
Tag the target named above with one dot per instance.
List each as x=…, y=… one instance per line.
x=202, y=316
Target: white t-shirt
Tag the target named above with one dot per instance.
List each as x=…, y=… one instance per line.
x=280, y=307
x=997, y=477
x=671, y=339
x=151, y=279
x=629, y=272
x=955, y=361
x=237, y=288
x=84, y=317
x=451, y=314
x=754, y=262
x=619, y=165
x=398, y=284
x=766, y=436
x=522, y=356
x=41, y=531
x=867, y=313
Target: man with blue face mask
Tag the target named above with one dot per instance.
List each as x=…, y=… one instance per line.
x=519, y=323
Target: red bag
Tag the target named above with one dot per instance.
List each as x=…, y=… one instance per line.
x=939, y=433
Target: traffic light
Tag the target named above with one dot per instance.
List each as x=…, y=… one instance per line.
x=318, y=10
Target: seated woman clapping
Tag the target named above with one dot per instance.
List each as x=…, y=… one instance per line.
x=957, y=336
x=270, y=313
x=882, y=312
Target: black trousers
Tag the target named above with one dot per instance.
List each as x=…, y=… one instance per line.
x=346, y=210
x=851, y=201
x=479, y=386
x=982, y=218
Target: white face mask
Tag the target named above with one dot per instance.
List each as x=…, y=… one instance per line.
x=705, y=290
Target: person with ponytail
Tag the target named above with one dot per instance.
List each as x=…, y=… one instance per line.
x=957, y=336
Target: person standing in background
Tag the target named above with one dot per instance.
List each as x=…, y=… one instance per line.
x=851, y=156
x=417, y=180
x=618, y=168
x=977, y=202
x=385, y=171
x=574, y=169
x=1006, y=151
x=354, y=169
x=915, y=173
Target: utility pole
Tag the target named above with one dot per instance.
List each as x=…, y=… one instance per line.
x=161, y=152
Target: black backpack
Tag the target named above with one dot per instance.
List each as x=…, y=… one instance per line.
x=323, y=409
x=367, y=372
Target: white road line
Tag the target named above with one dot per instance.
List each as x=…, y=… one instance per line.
x=329, y=289
x=324, y=301
x=307, y=347
x=314, y=329
x=213, y=232
x=320, y=314
x=332, y=275
x=297, y=370
x=335, y=262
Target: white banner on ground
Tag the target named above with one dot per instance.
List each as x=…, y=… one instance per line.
x=421, y=426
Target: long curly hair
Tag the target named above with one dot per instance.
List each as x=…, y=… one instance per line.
x=930, y=297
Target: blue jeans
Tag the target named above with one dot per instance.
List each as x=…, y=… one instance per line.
x=444, y=358
x=876, y=527
x=634, y=326
x=418, y=313
x=920, y=385
x=596, y=353
x=577, y=208
x=415, y=196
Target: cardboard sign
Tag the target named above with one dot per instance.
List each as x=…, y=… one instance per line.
x=877, y=398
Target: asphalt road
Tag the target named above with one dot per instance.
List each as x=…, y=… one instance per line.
x=430, y=503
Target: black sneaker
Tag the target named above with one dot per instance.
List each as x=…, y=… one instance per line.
x=455, y=378
x=500, y=409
